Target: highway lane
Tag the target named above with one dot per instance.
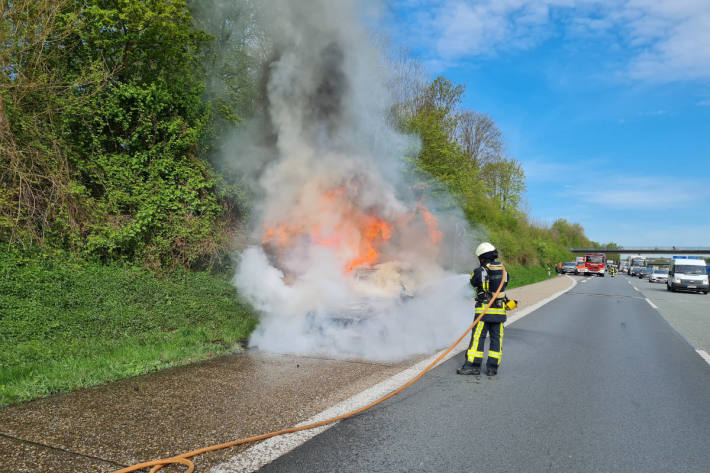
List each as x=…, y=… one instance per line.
x=688, y=313
x=594, y=381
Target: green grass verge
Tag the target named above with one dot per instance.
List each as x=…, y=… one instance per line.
x=67, y=323
x=524, y=275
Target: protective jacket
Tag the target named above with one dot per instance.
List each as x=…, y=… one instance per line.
x=486, y=279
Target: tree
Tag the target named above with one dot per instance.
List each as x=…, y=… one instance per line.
x=442, y=98
x=434, y=122
x=103, y=117
x=38, y=83
x=480, y=138
x=407, y=85
x=505, y=179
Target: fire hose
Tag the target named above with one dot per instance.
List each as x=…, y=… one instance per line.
x=184, y=458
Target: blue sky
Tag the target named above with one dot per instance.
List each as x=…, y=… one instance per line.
x=606, y=103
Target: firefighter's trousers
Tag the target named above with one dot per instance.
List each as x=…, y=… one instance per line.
x=474, y=355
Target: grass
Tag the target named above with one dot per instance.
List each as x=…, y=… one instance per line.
x=67, y=323
x=524, y=275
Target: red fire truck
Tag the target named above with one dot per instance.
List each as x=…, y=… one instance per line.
x=596, y=264
x=581, y=265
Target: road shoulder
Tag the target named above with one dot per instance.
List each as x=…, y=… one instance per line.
x=181, y=409
x=529, y=299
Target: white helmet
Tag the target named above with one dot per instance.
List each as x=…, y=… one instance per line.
x=484, y=247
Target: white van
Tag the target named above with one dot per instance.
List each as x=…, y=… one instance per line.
x=689, y=274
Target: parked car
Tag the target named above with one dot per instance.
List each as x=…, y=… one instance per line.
x=570, y=267
x=644, y=273
x=658, y=275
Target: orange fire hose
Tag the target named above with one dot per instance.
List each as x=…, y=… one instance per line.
x=184, y=458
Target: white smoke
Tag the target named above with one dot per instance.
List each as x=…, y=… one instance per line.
x=333, y=195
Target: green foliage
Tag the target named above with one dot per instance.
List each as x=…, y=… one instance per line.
x=68, y=323
x=118, y=173
x=524, y=275
x=463, y=151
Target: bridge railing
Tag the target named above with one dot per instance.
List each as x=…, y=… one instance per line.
x=670, y=250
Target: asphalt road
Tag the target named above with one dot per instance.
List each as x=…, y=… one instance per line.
x=594, y=381
x=687, y=312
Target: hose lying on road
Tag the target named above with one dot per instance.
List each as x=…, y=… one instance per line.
x=184, y=458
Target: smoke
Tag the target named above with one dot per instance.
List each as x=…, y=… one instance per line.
x=348, y=257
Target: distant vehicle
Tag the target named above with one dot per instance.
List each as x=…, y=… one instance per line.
x=581, y=265
x=644, y=273
x=636, y=263
x=658, y=275
x=596, y=264
x=569, y=267
x=689, y=274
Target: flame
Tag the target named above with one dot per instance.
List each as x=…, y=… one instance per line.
x=358, y=236
x=356, y=232
x=375, y=232
x=432, y=224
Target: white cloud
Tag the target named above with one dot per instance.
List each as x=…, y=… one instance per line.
x=546, y=170
x=462, y=29
x=601, y=188
x=647, y=193
x=628, y=234
x=682, y=53
x=637, y=198
x=665, y=40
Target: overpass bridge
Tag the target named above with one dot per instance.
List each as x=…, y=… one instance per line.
x=647, y=250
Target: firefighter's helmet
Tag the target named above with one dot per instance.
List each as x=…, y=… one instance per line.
x=483, y=248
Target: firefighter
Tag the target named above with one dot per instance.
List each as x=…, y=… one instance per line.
x=486, y=279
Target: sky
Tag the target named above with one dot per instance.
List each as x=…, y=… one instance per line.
x=606, y=104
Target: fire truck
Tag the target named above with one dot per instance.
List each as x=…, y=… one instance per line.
x=596, y=264
x=581, y=265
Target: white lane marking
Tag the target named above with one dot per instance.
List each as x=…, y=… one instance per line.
x=651, y=303
x=704, y=355
x=270, y=449
x=636, y=288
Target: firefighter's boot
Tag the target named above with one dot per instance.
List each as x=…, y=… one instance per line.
x=469, y=368
x=491, y=371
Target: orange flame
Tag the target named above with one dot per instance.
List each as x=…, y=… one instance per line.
x=432, y=224
x=356, y=235
x=356, y=232
x=375, y=232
